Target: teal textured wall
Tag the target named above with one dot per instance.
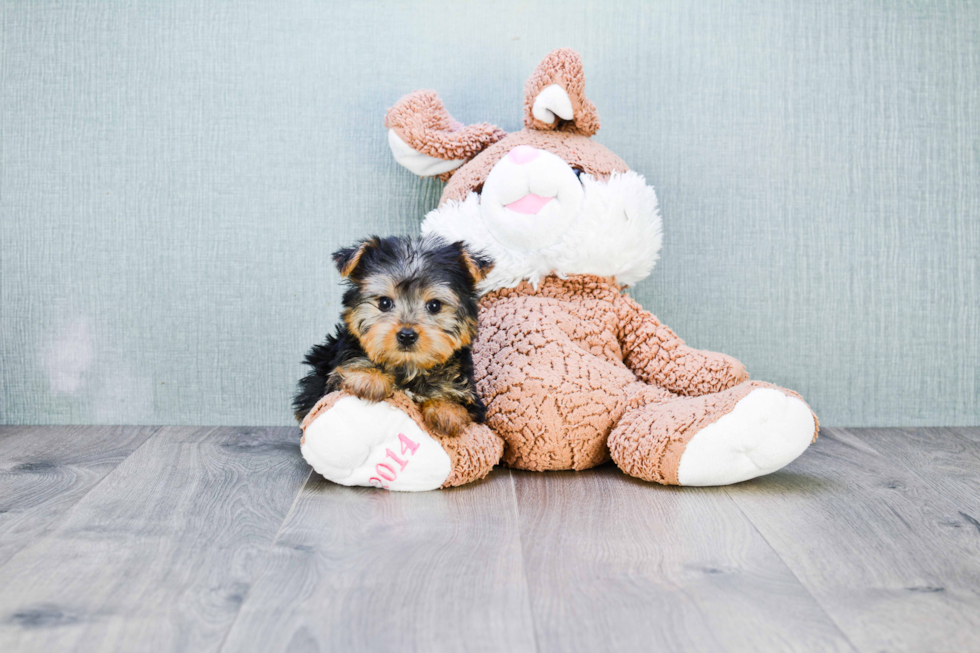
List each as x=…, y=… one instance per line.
x=174, y=176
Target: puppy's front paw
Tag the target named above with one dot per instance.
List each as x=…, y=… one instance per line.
x=368, y=384
x=445, y=417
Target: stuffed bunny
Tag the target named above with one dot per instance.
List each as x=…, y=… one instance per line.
x=572, y=370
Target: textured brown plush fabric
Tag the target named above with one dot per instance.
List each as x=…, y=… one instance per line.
x=578, y=151
x=564, y=68
x=656, y=355
x=472, y=454
x=421, y=120
x=563, y=366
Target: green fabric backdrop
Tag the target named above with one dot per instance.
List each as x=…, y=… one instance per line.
x=174, y=176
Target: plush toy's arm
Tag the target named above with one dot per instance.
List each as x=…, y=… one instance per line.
x=657, y=356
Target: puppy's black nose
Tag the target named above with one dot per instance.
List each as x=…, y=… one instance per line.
x=407, y=337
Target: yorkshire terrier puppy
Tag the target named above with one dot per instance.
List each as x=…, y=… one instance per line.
x=408, y=321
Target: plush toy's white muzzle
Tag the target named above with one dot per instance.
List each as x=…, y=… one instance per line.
x=530, y=199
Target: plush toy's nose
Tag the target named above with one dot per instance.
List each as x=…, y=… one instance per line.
x=523, y=154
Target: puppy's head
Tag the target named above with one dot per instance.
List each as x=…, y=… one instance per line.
x=412, y=302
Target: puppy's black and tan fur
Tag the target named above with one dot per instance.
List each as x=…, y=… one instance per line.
x=408, y=322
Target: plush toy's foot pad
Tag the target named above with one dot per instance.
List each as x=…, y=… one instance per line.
x=714, y=439
x=765, y=431
x=356, y=442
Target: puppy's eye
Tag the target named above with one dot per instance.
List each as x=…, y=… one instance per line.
x=578, y=173
x=385, y=304
x=433, y=306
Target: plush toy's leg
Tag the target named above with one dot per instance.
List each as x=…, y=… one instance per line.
x=355, y=442
x=747, y=431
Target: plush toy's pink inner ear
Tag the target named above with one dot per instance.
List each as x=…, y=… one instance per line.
x=554, y=96
x=427, y=140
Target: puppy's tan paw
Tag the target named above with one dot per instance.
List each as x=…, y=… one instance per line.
x=368, y=384
x=445, y=417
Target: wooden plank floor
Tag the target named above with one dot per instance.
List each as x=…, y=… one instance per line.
x=220, y=539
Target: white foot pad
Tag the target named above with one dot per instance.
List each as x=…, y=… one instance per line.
x=357, y=442
x=764, y=432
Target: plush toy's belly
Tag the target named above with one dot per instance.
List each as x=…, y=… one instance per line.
x=551, y=373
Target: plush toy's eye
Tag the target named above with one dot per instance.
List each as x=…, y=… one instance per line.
x=578, y=174
x=433, y=306
x=385, y=304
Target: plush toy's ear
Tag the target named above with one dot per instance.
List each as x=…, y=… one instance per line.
x=478, y=265
x=428, y=141
x=349, y=258
x=554, y=96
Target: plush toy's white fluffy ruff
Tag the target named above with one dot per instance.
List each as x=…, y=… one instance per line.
x=617, y=233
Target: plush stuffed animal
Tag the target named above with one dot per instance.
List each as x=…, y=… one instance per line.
x=572, y=370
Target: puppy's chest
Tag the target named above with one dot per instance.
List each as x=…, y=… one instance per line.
x=444, y=382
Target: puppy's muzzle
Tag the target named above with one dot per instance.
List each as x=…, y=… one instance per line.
x=407, y=338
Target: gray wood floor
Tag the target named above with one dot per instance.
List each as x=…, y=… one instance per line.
x=220, y=539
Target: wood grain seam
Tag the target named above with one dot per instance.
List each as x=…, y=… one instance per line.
x=790, y=569
x=520, y=544
x=268, y=551
x=68, y=510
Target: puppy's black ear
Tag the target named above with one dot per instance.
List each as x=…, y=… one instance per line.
x=349, y=258
x=476, y=264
